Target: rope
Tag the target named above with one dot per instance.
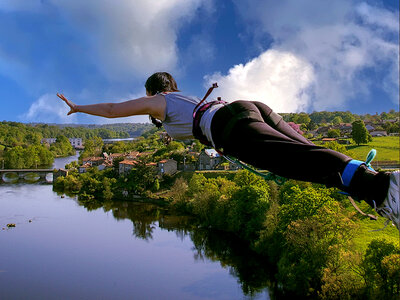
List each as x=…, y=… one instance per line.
x=269, y=176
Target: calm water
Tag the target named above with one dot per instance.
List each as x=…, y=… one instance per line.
x=65, y=249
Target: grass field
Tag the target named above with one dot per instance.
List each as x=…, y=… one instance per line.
x=387, y=147
x=365, y=232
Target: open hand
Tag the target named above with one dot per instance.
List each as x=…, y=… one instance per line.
x=73, y=106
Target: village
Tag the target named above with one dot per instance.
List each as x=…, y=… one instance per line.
x=208, y=158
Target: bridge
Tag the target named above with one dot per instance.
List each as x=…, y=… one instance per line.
x=23, y=172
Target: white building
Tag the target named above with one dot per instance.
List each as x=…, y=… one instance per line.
x=75, y=142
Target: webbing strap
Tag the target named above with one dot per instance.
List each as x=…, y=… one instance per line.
x=349, y=171
x=372, y=217
x=214, y=85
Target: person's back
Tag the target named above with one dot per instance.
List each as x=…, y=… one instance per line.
x=178, y=119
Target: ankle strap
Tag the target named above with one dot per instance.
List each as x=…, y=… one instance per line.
x=349, y=171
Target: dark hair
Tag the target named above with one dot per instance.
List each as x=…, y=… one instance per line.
x=158, y=83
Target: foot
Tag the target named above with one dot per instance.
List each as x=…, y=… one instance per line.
x=390, y=208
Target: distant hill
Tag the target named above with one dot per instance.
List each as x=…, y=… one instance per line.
x=132, y=129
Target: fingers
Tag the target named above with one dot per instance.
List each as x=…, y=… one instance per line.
x=61, y=96
x=69, y=103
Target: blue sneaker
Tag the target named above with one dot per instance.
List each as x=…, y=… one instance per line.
x=390, y=208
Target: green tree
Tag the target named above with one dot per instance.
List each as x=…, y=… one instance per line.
x=377, y=271
x=62, y=146
x=348, y=117
x=338, y=148
x=313, y=243
x=337, y=120
x=93, y=147
x=359, y=133
x=333, y=133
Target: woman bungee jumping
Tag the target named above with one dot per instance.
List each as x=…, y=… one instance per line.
x=251, y=132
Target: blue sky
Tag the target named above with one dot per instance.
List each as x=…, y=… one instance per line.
x=294, y=55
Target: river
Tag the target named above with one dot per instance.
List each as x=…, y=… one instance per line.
x=61, y=248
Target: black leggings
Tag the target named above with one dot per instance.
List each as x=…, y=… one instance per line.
x=276, y=147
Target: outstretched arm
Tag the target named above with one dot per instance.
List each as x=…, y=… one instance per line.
x=151, y=105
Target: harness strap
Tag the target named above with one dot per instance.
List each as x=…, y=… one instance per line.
x=372, y=217
x=214, y=85
x=197, y=132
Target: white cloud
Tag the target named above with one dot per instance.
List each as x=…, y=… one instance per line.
x=341, y=40
x=121, y=38
x=48, y=109
x=130, y=37
x=379, y=17
x=102, y=120
x=106, y=46
x=279, y=79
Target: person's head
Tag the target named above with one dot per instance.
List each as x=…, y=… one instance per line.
x=160, y=82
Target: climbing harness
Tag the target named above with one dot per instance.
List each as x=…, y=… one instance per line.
x=198, y=112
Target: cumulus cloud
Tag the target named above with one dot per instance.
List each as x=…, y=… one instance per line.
x=47, y=109
x=279, y=79
x=105, y=46
x=341, y=40
x=50, y=109
x=130, y=37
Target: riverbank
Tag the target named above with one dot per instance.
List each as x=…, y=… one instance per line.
x=308, y=232
x=63, y=248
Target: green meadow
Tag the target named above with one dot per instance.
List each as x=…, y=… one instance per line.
x=387, y=147
x=370, y=229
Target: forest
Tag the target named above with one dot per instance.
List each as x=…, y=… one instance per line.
x=21, y=147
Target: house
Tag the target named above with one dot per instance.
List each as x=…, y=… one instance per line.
x=145, y=153
x=209, y=159
x=126, y=165
x=167, y=166
x=84, y=167
x=105, y=165
x=370, y=127
x=94, y=160
x=345, y=128
x=327, y=140
x=113, y=156
x=323, y=130
x=132, y=155
x=378, y=133
x=75, y=142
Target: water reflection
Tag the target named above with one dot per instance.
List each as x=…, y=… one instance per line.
x=251, y=270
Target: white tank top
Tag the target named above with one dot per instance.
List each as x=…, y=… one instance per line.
x=178, y=119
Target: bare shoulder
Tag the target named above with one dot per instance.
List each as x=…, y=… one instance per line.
x=157, y=106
